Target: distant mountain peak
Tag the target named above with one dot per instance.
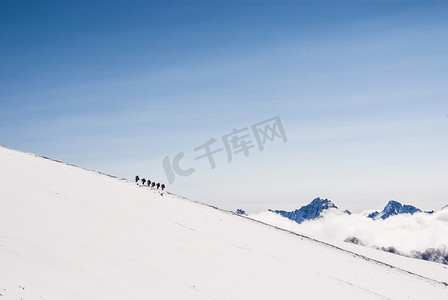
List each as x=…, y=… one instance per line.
x=308, y=212
x=394, y=208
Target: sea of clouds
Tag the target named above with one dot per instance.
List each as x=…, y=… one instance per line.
x=417, y=235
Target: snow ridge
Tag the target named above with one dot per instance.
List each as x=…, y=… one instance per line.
x=75, y=234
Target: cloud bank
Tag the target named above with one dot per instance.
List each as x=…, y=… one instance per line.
x=405, y=233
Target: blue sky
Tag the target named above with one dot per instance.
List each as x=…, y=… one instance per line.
x=360, y=88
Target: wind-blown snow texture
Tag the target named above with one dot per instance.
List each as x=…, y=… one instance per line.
x=70, y=233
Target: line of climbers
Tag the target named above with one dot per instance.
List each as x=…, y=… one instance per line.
x=149, y=183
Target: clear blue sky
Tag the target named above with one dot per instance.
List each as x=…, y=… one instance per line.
x=361, y=88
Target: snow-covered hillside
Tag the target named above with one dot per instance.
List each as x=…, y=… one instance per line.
x=70, y=233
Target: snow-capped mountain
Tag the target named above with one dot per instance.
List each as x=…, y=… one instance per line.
x=418, y=234
x=71, y=233
x=308, y=212
x=394, y=208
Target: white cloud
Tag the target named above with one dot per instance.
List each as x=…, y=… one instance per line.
x=403, y=232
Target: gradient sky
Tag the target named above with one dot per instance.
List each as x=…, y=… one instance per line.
x=361, y=88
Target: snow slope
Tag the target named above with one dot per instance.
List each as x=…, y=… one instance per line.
x=70, y=233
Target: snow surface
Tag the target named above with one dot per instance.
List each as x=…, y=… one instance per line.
x=70, y=233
